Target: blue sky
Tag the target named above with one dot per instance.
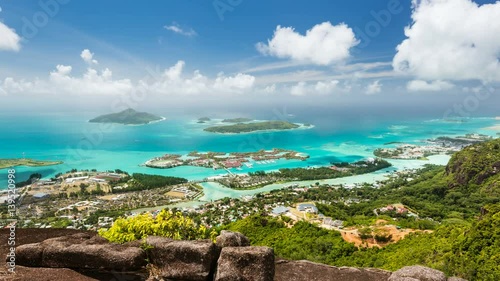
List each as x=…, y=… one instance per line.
x=314, y=50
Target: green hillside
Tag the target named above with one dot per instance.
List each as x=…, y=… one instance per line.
x=462, y=199
x=477, y=168
x=127, y=117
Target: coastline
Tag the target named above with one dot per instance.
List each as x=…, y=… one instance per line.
x=214, y=191
x=51, y=163
x=127, y=147
x=493, y=128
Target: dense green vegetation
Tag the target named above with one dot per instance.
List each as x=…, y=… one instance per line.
x=33, y=177
x=166, y=224
x=127, y=117
x=468, y=251
x=461, y=202
x=144, y=181
x=251, y=127
x=302, y=241
x=360, y=167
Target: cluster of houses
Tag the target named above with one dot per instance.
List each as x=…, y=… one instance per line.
x=300, y=211
x=184, y=192
x=398, y=209
x=82, y=206
x=243, y=180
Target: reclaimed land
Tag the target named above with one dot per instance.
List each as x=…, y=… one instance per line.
x=7, y=163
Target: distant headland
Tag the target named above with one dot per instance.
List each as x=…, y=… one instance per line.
x=204, y=120
x=127, y=117
x=7, y=163
x=253, y=127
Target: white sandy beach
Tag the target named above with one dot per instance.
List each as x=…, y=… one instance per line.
x=493, y=128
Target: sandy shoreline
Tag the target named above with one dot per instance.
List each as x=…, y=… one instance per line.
x=493, y=128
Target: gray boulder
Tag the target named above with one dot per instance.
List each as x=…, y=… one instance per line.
x=417, y=272
x=456, y=279
x=231, y=239
x=245, y=264
x=308, y=271
x=182, y=260
x=81, y=251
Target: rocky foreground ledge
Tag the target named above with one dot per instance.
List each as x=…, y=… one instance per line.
x=74, y=255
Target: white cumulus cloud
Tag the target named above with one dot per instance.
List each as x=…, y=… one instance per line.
x=175, y=82
x=420, y=85
x=321, y=87
x=176, y=28
x=451, y=40
x=61, y=82
x=88, y=57
x=373, y=88
x=9, y=40
x=323, y=44
x=238, y=82
x=172, y=81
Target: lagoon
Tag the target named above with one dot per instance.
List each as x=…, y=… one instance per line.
x=83, y=145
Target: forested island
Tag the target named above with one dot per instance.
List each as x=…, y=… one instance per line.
x=127, y=117
x=204, y=120
x=6, y=163
x=252, y=127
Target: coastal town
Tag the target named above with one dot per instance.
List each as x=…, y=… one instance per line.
x=92, y=200
x=440, y=145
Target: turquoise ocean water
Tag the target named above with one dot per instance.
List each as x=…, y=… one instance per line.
x=84, y=145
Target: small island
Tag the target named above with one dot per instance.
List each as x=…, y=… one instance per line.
x=204, y=120
x=7, y=163
x=127, y=117
x=237, y=120
x=252, y=127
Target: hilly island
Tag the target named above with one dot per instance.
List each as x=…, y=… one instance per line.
x=127, y=117
x=252, y=127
